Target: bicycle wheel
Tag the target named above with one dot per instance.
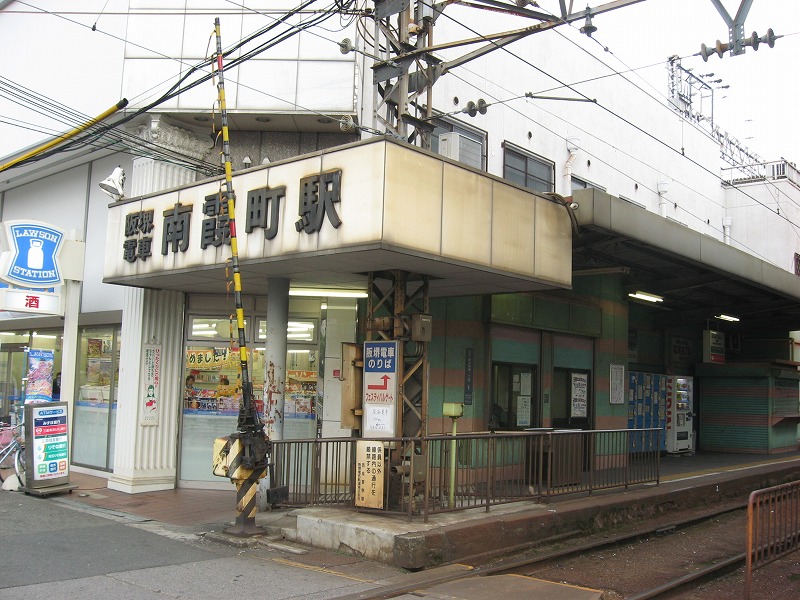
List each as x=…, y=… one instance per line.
x=19, y=465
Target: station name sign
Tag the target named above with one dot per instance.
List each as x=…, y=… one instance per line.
x=318, y=197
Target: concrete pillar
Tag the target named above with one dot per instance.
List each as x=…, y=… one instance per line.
x=275, y=355
x=145, y=454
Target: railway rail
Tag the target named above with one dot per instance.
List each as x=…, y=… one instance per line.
x=615, y=562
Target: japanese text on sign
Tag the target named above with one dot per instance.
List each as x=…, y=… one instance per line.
x=369, y=474
x=318, y=197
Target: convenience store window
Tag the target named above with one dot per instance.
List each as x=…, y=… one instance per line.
x=212, y=383
x=95, y=415
x=22, y=373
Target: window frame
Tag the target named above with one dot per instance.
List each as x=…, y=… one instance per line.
x=529, y=157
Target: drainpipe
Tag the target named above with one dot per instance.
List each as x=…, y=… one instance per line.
x=663, y=188
x=573, y=145
x=726, y=229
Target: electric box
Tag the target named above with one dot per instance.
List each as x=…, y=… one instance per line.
x=421, y=327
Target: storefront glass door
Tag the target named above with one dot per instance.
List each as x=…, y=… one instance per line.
x=95, y=416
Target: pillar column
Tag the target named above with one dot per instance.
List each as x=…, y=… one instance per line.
x=145, y=454
x=275, y=355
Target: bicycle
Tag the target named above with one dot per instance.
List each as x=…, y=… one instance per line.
x=13, y=452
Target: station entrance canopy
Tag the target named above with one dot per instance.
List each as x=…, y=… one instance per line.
x=330, y=218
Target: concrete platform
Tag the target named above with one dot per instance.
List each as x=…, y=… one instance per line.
x=449, y=537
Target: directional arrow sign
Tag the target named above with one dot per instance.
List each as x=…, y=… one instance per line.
x=380, y=389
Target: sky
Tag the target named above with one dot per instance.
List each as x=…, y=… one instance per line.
x=759, y=108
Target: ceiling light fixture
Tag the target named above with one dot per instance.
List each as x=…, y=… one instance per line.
x=319, y=293
x=725, y=317
x=646, y=296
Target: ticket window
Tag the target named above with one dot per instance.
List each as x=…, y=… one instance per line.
x=514, y=400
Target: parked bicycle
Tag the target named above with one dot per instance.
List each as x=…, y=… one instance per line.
x=12, y=450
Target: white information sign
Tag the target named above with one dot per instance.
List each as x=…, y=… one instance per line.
x=380, y=389
x=580, y=389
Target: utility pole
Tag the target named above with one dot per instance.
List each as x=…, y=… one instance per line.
x=404, y=79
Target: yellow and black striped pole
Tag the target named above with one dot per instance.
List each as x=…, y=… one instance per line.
x=249, y=445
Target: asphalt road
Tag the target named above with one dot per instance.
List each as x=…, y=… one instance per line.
x=53, y=549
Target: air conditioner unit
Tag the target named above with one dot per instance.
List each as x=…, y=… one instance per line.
x=461, y=148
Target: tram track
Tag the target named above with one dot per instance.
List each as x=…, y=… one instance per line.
x=531, y=561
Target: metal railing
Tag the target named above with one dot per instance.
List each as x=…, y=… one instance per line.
x=773, y=527
x=761, y=171
x=445, y=473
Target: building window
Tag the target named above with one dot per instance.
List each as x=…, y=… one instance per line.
x=582, y=184
x=528, y=170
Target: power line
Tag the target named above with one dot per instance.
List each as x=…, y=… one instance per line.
x=611, y=112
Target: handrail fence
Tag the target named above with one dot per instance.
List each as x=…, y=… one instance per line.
x=490, y=468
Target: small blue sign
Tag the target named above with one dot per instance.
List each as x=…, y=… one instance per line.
x=35, y=249
x=380, y=357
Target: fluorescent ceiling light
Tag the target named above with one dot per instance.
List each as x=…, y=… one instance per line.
x=726, y=318
x=646, y=296
x=321, y=293
x=298, y=351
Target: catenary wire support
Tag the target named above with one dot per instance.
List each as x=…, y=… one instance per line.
x=249, y=446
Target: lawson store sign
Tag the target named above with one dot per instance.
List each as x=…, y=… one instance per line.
x=30, y=267
x=32, y=259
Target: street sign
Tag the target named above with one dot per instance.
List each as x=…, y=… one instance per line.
x=380, y=389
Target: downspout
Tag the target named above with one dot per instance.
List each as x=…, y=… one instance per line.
x=726, y=229
x=573, y=145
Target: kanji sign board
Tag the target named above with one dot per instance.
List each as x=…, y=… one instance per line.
x=380, y=389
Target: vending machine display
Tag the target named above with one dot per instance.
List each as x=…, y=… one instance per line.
x=680, y=435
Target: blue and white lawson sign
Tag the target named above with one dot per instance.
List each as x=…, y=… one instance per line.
x=32, y=257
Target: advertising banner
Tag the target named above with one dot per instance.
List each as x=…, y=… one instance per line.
x=149, y=408
x=40, y=376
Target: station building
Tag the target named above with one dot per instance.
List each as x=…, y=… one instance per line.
x=523, y=247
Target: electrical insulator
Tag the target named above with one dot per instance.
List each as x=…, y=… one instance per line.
x=473, y=108
x=719, y=48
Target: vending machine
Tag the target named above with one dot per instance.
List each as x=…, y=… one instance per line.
x=680, y=434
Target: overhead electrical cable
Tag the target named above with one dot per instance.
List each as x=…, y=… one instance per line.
x=618, y=116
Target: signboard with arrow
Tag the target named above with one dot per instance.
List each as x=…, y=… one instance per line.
x=380, y=389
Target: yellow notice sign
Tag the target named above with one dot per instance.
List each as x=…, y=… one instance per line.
x=369, y=474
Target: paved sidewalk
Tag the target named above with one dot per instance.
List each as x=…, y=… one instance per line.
x=181, y=507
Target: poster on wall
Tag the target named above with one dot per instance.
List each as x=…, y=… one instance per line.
x=40, y=377
x=580, y=388
x=151, y=384
x=523, y=411
x=617, y=384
